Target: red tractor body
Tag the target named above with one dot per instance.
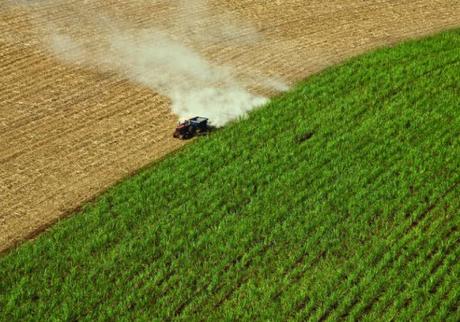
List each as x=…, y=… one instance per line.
x=191, y=127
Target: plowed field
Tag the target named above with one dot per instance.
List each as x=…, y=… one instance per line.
x=68, y=132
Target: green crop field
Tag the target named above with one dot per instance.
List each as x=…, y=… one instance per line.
x=339, y=199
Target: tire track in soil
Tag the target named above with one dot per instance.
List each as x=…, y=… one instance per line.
x=40, y=123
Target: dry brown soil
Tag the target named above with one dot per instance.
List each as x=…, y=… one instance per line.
x=67, y=132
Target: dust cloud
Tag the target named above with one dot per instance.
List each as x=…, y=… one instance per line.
x=166, y=57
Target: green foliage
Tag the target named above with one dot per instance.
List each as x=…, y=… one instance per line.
x=339, y=199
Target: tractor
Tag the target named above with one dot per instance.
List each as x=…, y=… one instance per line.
x=189, y=128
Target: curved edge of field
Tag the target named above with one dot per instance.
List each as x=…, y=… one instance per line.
x=68, y=132
x=337, y=199
x=170, y=150
x=85, y=204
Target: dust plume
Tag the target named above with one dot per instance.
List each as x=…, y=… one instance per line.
x=167, y=56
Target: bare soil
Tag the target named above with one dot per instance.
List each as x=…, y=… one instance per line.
x=67, y=133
